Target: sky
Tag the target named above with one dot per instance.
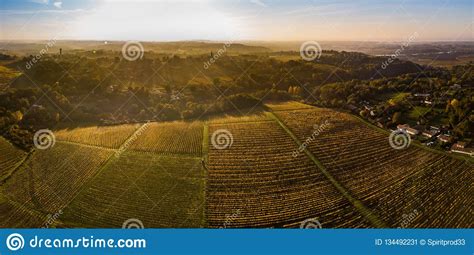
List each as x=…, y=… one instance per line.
x=237, y=20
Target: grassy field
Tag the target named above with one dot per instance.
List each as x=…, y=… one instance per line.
x=398, y=97
x=7, y=75
x=418, y=111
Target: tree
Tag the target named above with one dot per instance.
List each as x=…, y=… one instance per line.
x=396, y=117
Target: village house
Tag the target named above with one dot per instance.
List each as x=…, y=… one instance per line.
x=408, y=129
x=462, y=147
x=430, y=133
x=445, y=138
x=421, y=95
x=455, y=86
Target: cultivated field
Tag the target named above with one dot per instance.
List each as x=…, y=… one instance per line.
x=49, y=179
x=160, y=191
x=181, y=174
x=256, y=182
x=13, y=215
x=392, y=183
x=251, y=117
x=170, y=138
x=10, y=157
x=103, y=136
x=289, y=106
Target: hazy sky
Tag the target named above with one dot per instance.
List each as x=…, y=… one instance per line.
x=168, y=20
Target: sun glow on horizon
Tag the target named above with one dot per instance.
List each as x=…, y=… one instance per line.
x=155, y=20
x=175, y=20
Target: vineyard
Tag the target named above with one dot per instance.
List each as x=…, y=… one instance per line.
x=265, y=169
x=10, y=157
x=171, y=138
x=392, y=183
x=256, y=182
x=161, y=191
x=102, y=136
x=288, y=106
x=252, y=117
x=13, y=215
x=49, y=179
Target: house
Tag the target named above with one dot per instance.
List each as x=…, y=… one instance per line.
x=455, y=86
x=445, y=138
x=430, y=133
x=462, y=147
x=421, y=95
x=412, y=131
x=461, y=144
x=408, y=129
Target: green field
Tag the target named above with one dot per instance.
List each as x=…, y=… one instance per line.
x=418, y=111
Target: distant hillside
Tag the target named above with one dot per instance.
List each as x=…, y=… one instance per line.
x=181, y=48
